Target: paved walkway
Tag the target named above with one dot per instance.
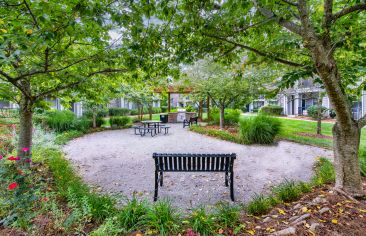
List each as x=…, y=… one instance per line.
x=120, y=162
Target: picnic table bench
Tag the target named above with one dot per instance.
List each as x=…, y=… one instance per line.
x=188, y=162
x=190, y=121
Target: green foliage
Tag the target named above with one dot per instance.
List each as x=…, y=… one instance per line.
x=313, y=111
x=99, y=112
x=109, y=227
x=69, y=185
x=271, y=110
x=119, y=121
x=189, y=108
x=100, y=121
x=324, y=172
x=118, y=111
x=259, y=205
x=362, y=155
x=231, y=116
x=64, y=137
x=201, y=222
x=287, y=191
x=60, y=120
x=131, y=216
x=260, y=129
x=162, y=218
x=227, y=216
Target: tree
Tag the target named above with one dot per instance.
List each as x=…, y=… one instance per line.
x=310, y=36
x=224, y=86
x=50, y=48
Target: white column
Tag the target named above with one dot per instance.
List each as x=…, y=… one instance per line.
x=296, y=102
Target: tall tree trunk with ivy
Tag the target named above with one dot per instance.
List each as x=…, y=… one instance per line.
x=25, y=123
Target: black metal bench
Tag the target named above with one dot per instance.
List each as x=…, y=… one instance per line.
x=190, y=121
x=137, y=128
x=177, y=162
x=151, y=130
x=166, y=129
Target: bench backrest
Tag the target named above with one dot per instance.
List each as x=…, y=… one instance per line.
x=176, y=162
x=193, y=119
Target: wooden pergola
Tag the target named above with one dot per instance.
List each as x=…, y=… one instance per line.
x=183, y=90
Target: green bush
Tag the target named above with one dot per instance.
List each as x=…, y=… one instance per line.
x=82, y=124
x=99, y=121
x=271, y=110
x=260, y=129
x=163, y=218
x=231, y=116
x=134, y=112
x=131, y=215
x=201, y=222
x=113, y=111
x=164, y=108
x=259, y=205
x=120, y=121
x=324, y=172
x=313, y=111
x=189, y=108
x=287, y=191
x=60, y=120
x=156, y=110
x=101, y=112
x=64, y=137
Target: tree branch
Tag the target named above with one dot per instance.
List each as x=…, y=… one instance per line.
x=281, y=21
x=328, y=13
x=348, y=10
x=31, y=13
x=264, y=54
x=289, y=2
x=7, y=76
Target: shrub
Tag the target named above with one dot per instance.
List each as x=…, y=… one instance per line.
x=271, y=110
x=259, y=205
x=287, y=191
x=227, y=216
x=66, y=136
x=189, y=108
x=82, y=124
x=131, y=215
x=134, y=112
x=156, y=110
x=164, y=108
x=231, y=116
x=201, y=222
x=99, y=121
x=101, y=112
x=324, y=172
x=60, y=120
x=118, y=111
x=120, y=121
x=162, y=218
x=313, y=111
x=260, y=129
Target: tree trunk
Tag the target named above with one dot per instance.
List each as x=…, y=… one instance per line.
x=150, y=112
x=26, y=127
x=319, y=116
x=94, y=120
x=222, y=117
x=346, y=161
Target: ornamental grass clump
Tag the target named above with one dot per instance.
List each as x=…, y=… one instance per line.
x=261, y=129
x=120, y=121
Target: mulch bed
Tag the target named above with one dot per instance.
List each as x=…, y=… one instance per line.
x=314, y=135
x=321, y=212
x=230, y=129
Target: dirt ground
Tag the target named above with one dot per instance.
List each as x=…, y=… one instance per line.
x=120, y=162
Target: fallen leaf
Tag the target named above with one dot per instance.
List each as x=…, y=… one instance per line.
x=334, y=221
x=282, y=212
x=138, y=234
x=251, y=232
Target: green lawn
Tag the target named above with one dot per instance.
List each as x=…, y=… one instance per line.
x=292, y=128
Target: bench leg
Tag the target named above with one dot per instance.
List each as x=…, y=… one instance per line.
x=232, y=186
x=161, y=179
x=156, y=186
x=226, y=179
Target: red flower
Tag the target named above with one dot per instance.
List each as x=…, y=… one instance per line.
x=12, y=186
x=11, y=158
x=44, y=199
x=25, y=149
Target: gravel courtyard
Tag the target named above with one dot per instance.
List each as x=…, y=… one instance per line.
x=118, y=161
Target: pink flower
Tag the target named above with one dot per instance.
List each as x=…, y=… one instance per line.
x=25, y=149
x=190, y=232
x=12, y=186
x=1, y=157
x=17, y=158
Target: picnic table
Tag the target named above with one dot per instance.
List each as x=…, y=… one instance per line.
x=152, y=123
